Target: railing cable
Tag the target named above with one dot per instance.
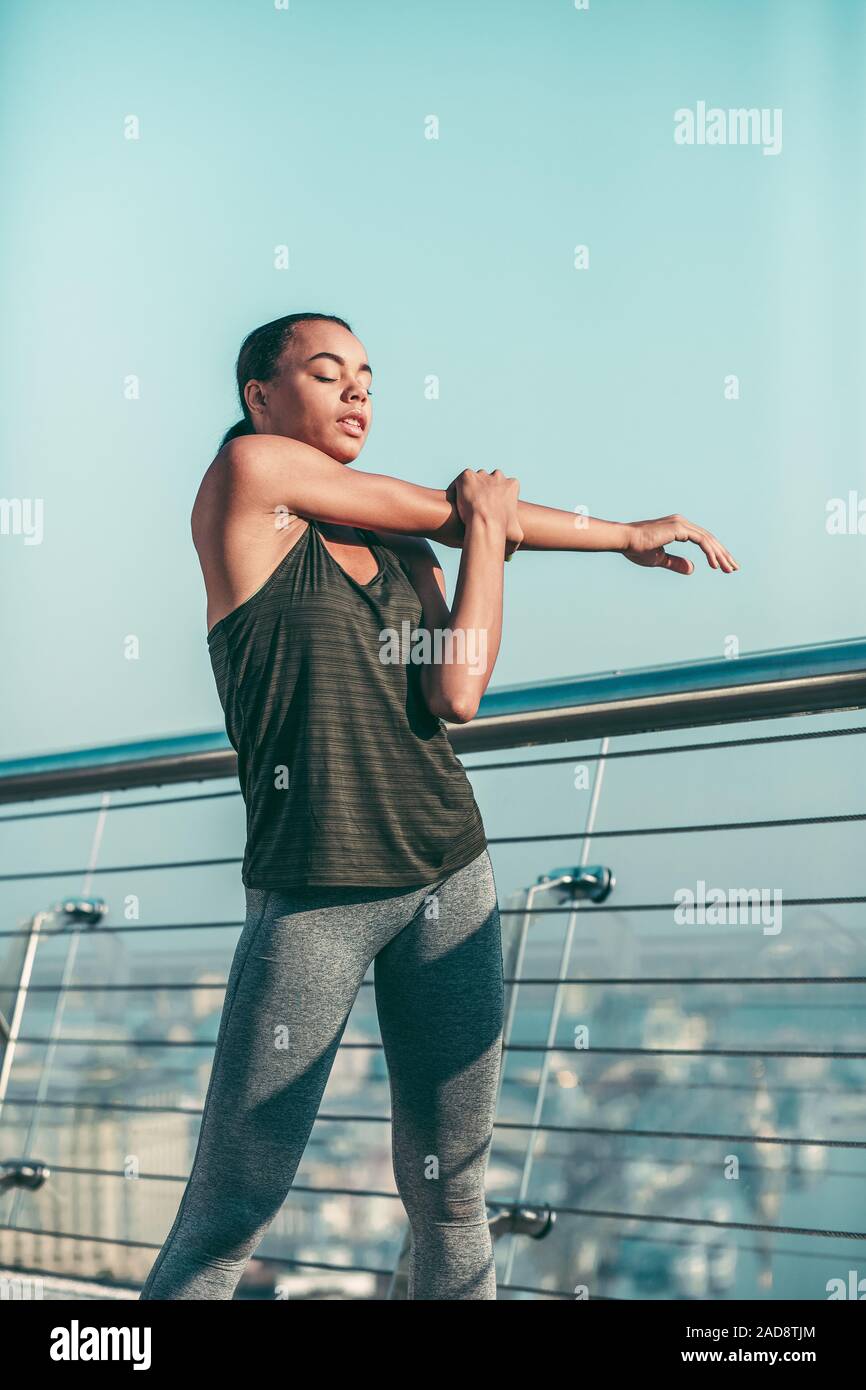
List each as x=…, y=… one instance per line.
x=563, y=1047
x=503, y=912
x=601, y=1214
x=576, y=757
x=602, y=1131
x=122, y=805
x=544, y=838
x=630, y=980
x=579, y=757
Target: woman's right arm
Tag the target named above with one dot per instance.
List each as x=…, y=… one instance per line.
x=265, y=471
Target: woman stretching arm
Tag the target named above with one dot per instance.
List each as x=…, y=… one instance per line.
x=365, y=846
x=273, y=470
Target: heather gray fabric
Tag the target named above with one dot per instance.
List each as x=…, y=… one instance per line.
x=297, y=968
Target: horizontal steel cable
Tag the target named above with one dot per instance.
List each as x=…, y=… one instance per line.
x=638, y=831
x=712, y=1165
x=121, y=805
x=192, y=985
x=509, y=1047
x=342, y=1118
x=712, y=826
x=659, y=907
x=702, y=1086
x=503, y=912
x=707, y=1221
x=128, y=1244
x=115, y=931
x=779, y=1251
x=632, y=1237
x=477, y=767
x=597, y=1213
x=579, y=757
x=108, y=1285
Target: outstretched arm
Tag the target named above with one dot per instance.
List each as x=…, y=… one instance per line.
x=268, y=471
x=642, y=542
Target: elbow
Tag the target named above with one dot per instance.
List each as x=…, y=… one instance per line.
x=462, y=712
x=455, y=709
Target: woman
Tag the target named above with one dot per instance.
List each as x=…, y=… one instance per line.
x=364, y=841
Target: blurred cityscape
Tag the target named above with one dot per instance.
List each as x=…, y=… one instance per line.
x=683, y=1110
x=120, y=1144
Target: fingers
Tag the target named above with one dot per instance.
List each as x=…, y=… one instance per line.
x=678, y=563
x=717, y=555
x=705, y=541
x=723, y=557
x=493, y=496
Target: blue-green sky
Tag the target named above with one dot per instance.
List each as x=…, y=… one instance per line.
x=450, y=257
x=453, y=257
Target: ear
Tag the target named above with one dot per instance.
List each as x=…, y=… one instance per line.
x=255, y=397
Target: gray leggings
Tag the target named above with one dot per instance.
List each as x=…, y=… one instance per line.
x=297, y=968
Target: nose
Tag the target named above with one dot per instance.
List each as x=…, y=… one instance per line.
x=358, y=391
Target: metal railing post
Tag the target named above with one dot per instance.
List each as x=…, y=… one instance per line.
x=21, y=989
x=76, y=909
x=556, y=1006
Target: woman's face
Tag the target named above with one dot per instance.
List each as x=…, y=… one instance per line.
x=323, y=376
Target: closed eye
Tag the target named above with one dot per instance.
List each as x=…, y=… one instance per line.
x=333, y=378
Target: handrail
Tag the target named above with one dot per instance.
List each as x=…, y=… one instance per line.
x=826, y=677
x=758, y=685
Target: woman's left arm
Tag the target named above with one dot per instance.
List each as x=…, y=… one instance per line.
x=463, y=640
x=642, y=542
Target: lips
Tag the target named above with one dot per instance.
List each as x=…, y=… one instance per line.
x=353, y=423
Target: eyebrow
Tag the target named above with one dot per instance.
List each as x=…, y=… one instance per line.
x=364, y=367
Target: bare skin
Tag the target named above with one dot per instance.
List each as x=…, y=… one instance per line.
x=254, y=499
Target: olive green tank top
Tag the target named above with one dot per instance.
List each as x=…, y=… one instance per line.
x=347, y=777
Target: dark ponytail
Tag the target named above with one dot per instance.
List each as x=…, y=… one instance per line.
x=242, y=427
x=259, y=359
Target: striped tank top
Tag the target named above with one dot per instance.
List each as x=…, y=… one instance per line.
x=346, y=775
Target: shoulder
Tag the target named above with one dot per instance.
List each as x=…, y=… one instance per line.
x=243, y=477
x=232, y=465
x=254, y=474
x=250, y=451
